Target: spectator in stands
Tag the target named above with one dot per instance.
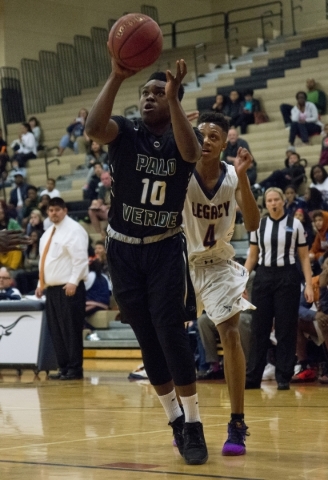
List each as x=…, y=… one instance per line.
x=319, y=179
x=96, y=154
x=91, y=190
x=9, y=176
x=230, y=153
x=320, y=244
x=7, y=292
x=10, y=259
x=101, y=256
x=221, y=105
x=293, y=174
x=235, y=108
x=314, y=325
x=233, y=144
x=25, y=147
x=248, y=107
x=99, y=208
x=3, y=156
x=318, y=97
x=44, y=204
x=27, y=280
x=30, y=204
x=293, y=202
x=98, y=289
x=304, y=119
x=305, y=220
x=35, y=223
x=18, y=194
x=314, y=201
x=7, y=217
x=75, y=134
x=324, y=147
x=37, y=132
x=51, y=189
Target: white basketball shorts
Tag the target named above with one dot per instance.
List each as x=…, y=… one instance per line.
x=219, y=286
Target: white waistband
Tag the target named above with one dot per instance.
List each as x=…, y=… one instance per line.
x=141, y=241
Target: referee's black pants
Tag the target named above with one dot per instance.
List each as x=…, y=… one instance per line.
x=65, y=317
x=276, y=294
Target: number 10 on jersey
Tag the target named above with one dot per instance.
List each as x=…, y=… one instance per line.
x=157, y=189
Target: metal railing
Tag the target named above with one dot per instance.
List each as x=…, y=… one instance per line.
x=197, y=57
x=293, y=10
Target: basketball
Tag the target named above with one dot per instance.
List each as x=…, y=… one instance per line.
x=135, y=41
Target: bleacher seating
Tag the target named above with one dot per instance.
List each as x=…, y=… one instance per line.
x=275, y=75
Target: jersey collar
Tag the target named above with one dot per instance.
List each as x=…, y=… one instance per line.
x=211, y=193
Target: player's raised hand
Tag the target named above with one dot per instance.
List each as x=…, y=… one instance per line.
x=174, y=81
x=242, y=161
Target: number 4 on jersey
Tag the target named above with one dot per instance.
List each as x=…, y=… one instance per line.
x=209, y=239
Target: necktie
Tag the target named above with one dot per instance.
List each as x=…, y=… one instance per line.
x=43, y=258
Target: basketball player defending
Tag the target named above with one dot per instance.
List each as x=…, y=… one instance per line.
x=151, y=163
x=214, y=191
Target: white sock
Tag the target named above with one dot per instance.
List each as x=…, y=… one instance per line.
x=191, y=410
x=171, y=405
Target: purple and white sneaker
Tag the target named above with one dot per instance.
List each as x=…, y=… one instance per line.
x=235, y=444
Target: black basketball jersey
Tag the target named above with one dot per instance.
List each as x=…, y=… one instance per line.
x=150, y=180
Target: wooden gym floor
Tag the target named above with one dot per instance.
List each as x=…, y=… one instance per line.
x=107, y=427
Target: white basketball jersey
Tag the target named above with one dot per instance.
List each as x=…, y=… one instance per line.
x=209, y=217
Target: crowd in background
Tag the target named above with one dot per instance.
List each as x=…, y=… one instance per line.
x=26, y=207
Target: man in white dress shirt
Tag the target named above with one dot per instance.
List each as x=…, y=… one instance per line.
x=63, y=269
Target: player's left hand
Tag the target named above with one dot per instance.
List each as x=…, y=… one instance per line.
x=70, y=289
x=173, y=82
x=242, y=161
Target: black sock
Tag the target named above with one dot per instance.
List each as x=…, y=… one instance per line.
x=237, y=417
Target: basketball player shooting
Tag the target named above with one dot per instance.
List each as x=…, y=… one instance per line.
x=151, y=162
x=214, y=191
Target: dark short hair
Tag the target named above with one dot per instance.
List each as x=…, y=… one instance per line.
x=161, y=76
x=32, y=187
x=291, y=187
x=216, y=118
x=301, y=93
x=249, y=91
x=57, y=202
x=100, y=242
x=317, y=213
x=27, y=126
x=37, y=123
x=51, y=180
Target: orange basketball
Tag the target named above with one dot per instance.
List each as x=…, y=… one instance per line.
x=135, y=41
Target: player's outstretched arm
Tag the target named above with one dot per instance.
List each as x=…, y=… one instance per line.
x=185, y=137
x=99, y=126
x=244, y=196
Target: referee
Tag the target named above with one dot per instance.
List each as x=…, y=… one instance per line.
x=276, y=289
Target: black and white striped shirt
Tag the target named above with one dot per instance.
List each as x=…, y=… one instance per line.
x=278, y=240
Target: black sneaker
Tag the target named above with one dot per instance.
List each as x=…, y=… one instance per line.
x=177, y=427
x=283, y=386
x=195, y=450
